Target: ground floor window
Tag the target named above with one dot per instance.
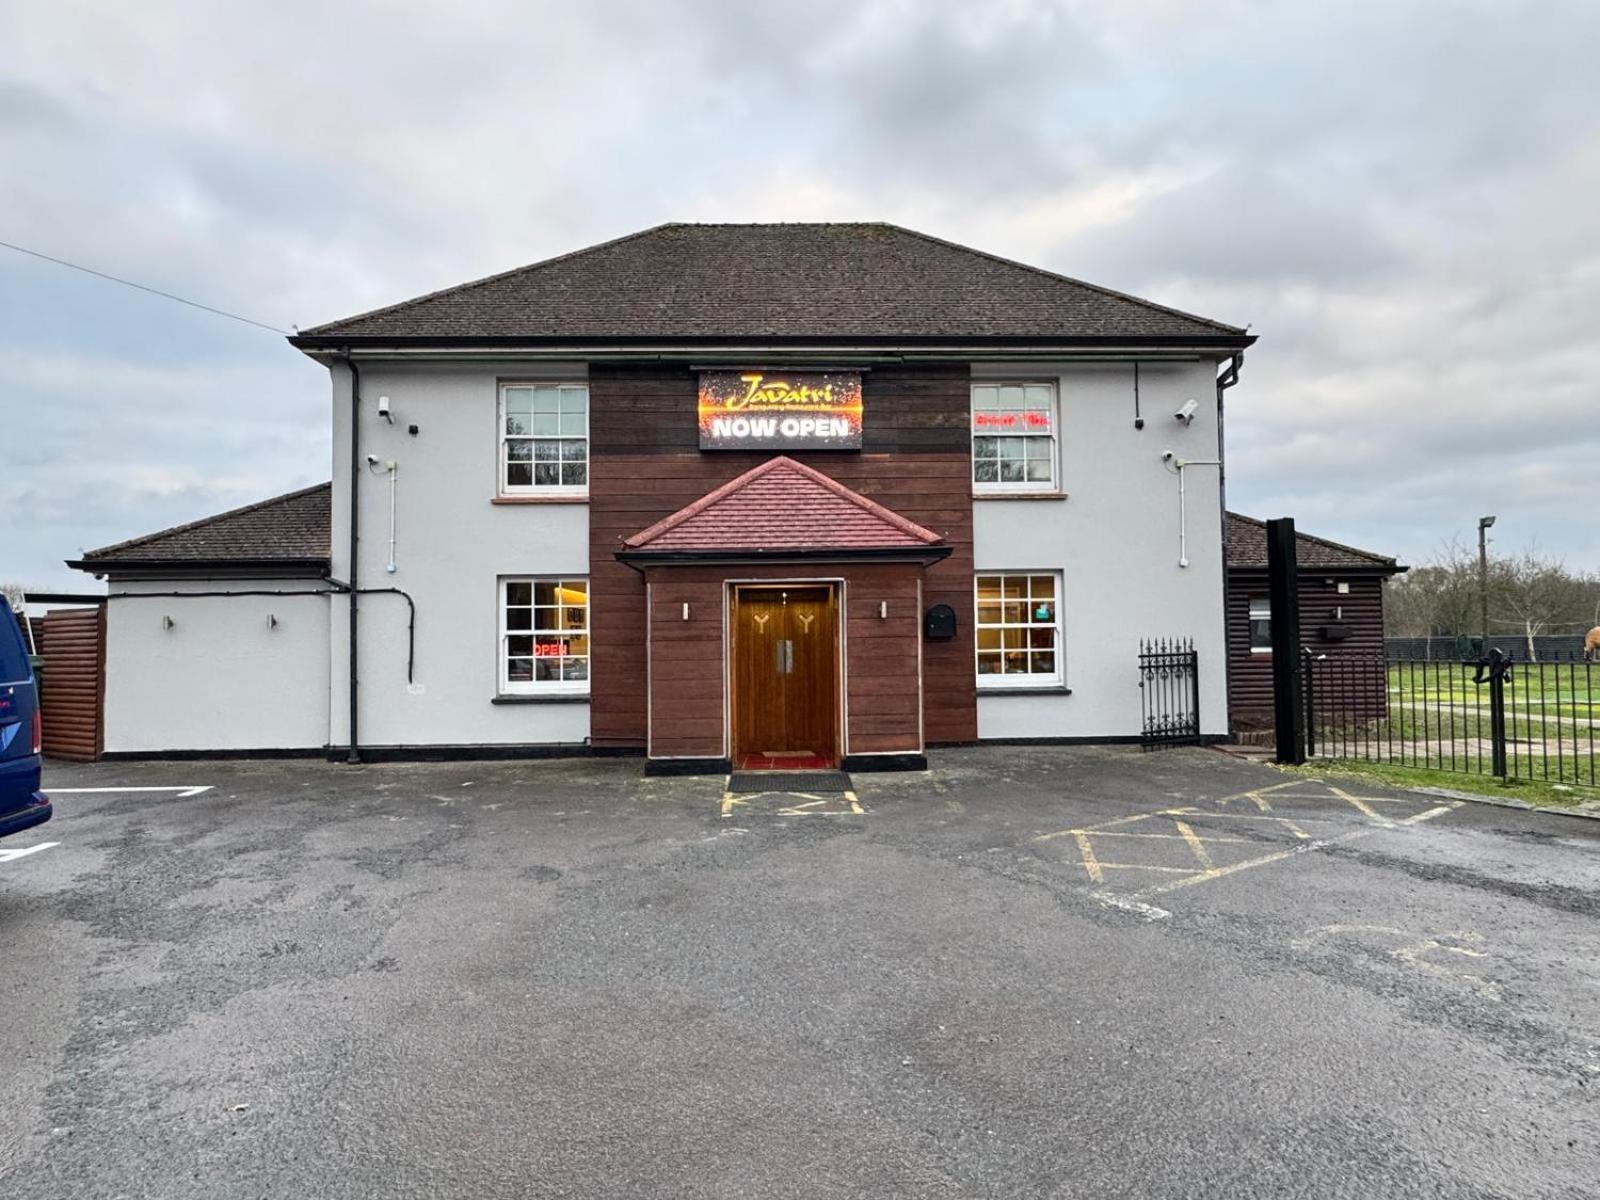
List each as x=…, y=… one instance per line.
x=1019, y=630
x=544, y=636
x=1260, y=625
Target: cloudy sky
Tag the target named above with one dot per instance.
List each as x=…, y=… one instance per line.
x=1401, y=199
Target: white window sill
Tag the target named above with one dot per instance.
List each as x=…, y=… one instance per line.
x=1020, y=689
x=541, y=698
x=536, y=498
x=1019, y=495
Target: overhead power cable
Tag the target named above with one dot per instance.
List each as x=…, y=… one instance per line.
x=61, y=262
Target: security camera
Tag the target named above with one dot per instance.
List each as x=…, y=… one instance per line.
x=372, y=460
x=1186, y=413
x=383, y=409
x=1167, y=456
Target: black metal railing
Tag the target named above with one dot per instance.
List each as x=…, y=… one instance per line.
x=1169, y=693
x=1487, y=716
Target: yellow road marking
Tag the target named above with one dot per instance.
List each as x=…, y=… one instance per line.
x=1195, y=844
x=1219, y=872
x=1432, y=813
x=1163, y=837
x=1361, y=806
x=1105, y=866
x=1254, y=793
x=1045, y=837
x=1090, y=862
x=1284, y=821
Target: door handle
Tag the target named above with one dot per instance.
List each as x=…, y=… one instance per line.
x=785, y=650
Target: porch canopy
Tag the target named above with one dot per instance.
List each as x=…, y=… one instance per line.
x=783, y=511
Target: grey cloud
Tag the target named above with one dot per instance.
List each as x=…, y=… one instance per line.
x=1397, y=197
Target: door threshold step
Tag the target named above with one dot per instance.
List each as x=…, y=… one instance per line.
x=789, y=781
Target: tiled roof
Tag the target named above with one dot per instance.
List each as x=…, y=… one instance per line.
x=782, y=506
x=1247, y=548
x=294, y=528
x=861, y=281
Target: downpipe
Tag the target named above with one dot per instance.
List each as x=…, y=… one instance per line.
x=353, y=587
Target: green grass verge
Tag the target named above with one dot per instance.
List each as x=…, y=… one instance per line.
x=1537, y=793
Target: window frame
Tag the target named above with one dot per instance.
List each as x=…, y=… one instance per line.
x=1029, y=681
x=503, y=464
x=1024, y=487
x=540, y=687
x=1251, y=618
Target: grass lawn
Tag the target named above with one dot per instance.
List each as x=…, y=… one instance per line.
x=1535, y=792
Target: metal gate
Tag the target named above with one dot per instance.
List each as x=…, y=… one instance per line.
x=1169, y=693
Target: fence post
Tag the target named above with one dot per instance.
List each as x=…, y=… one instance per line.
x=1310, y=703
x=1288, y=692
x=1497, y=712
x=1194, y=685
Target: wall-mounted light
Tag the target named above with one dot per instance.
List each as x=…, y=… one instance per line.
x=272, y=620
x=883, y=610
x=685, y=610
x=167, y=622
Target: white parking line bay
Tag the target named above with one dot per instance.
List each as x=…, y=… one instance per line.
x=9, y=855
x=181, y=793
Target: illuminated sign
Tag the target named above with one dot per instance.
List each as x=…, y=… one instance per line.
x=1011, y=422
x=780, y=410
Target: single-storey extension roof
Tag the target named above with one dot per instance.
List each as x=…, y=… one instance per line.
x=292, y=531
x=866, y=282
x=1247, y=550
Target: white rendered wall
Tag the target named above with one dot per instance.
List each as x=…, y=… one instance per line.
x=223, y=677
x=452, y=545
x=1115, y=541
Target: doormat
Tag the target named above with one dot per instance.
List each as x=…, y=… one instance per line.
x=789, y=781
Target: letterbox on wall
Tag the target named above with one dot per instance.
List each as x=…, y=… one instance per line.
x=939, y=623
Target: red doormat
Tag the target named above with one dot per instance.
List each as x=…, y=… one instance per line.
x=780, y=760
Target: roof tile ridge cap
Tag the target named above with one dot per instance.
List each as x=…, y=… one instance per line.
x=904, y=524
x=201, y=521
x=1084, y=283
x=323, y=329
x=695, y=507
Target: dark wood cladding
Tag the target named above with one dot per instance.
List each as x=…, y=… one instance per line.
x=687, y=697
x=645, y=464
x=72, y=682
x=1250, y=674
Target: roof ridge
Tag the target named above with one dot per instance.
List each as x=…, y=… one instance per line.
x=1329, y=542
x=1057, y=275
x=317, y=330
x=202, y=521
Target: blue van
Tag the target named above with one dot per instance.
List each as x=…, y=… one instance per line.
x=22, y=804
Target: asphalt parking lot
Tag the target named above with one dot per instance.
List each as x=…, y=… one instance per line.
x=1029, y=972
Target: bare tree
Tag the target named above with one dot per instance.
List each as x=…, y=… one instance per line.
x=1527, y=592
x=1537, y=596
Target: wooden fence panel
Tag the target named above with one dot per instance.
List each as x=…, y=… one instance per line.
x=72, y=692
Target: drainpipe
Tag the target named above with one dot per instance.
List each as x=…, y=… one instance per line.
x=355, y=543
x=1225, y=381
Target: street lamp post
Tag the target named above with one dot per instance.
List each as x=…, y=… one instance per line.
x=1484, y=524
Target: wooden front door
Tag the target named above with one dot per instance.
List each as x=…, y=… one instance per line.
x=786, y=676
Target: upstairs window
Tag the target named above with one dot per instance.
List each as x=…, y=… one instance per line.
x=1260, y=625
x=1014, y=437
x=544, y=636
x=544, y=439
